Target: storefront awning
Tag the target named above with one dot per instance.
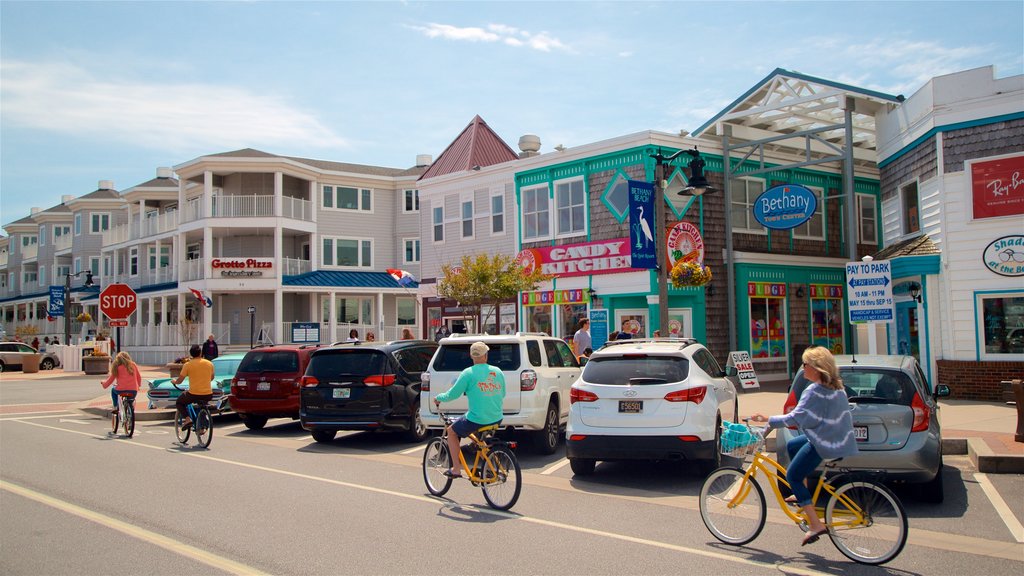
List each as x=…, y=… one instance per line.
x=345, y=279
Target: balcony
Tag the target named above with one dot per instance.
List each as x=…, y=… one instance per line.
x=62, y=243
x=29, y=252
x=151, y=226
x=143, y=278
x=294, y=266
x=249, y=207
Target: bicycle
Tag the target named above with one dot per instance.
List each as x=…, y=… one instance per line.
x=495, y=468
x=124, y=415
x=202, y=423
x=865, y=520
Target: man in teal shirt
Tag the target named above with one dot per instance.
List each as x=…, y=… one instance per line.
x=484, y=386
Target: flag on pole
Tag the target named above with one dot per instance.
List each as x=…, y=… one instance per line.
x=401, y=276
x=204, y=300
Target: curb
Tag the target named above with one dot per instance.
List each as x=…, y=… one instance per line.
x=140, y=415
x=987, y=461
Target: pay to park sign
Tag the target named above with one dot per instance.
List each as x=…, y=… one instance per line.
x=870, y=294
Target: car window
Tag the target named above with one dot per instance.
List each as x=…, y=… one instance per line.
x=279, y=361
x=620, y=369
x=922, y=378
x=26, y=348
x=327, y=365
x=533, y=351
x=455, y=357
x=707, y=363
x=568, y=358
x=878, y=385
x=551, y=351
x=415, y=359
x=6, y=347
x=226, y=366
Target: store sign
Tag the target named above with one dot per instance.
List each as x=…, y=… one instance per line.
x=305, y=332
x=684, y=243
x=785, y=206
x=826, y=291
x=744, y=369
x=1005, y=256
x=242, y=267
x=549, y=297
x=997, y=187
x=766, y=290
x=603, y=257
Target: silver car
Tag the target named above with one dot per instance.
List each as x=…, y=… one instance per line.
x=895, y=420
x=12, y=356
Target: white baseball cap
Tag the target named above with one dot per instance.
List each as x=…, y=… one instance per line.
x=478, y=349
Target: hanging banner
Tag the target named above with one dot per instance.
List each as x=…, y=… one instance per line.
x=684, y=243
x=641, y=225
x=56, y=307
x=997, y=187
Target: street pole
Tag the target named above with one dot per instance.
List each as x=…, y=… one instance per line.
x=67, y=309
x=252, y=325
x=661, y=251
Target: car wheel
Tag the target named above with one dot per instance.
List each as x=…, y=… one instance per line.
x=323, y=436
x=1, y=366
x=254, y=422
x=46, y=364
x=582, y=466
x=418, y=431
x=546, y=439
x=709, y=466
x=933, y=491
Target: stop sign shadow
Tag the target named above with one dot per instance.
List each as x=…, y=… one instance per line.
x=118, y=301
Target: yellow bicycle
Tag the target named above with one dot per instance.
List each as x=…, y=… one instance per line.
x=865, y=520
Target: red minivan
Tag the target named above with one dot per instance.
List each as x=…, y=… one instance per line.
x=268, y=382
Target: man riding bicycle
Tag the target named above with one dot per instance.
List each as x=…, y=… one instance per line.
x=199, y=372
x=484, y=387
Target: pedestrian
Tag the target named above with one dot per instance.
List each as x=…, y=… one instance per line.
x=624, y=334
x=128, y=378
x=35, y=342
x=210, y=350
x=581, y=339
x=56, y=341
x=353, y=335
x=370, y=337
x=46, y=343
x=406, y=334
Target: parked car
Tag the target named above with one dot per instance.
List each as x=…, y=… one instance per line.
x=538, y=370
x=649, y=400
x=163, y=394
x=365, y=386
x=12, y=355
x=267, y=383
x=1015, y=340
x=895, y=420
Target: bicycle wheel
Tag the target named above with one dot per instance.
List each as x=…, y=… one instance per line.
x=503, y=479
x=866, y=522
x=204, y=428
x=129, y=417
x=732, y=507
x=182, y=432
x=115, y=419
x=435, y=462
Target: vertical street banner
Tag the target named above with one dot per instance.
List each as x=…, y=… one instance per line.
x=56, y=307
x=642, y=247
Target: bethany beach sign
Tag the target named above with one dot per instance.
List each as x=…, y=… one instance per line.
x=784, y=207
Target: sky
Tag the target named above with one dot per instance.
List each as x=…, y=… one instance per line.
x=95, y=91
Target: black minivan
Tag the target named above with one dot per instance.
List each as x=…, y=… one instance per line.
x=365, y=386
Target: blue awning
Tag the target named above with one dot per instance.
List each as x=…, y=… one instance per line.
x=345, y=279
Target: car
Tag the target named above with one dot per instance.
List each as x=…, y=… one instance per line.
x=365, y=386
x=12, y=355
x=163, y=394
x=267, y=383
x=895, y=420
x=538, y=370
x=650, y=399
x=1015, y=340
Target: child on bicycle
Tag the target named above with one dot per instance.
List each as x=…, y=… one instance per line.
x=126, y=372
x=484, y=386
x=199, y=372
x=823, y=416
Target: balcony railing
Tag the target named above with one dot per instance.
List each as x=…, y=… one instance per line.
x=143, y=278
x=239, y=206
x=293, y=266
x=166, y=222
x=29, y=252
x=193, y=270
x=62, y=243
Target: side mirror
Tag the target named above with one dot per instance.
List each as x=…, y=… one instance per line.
x=730, y=371
x=942, y=391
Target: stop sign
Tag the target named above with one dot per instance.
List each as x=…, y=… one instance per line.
x=118, y=301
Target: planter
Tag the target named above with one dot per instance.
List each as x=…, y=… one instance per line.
x=174, y=369
x=30, y=363
x=96, y=364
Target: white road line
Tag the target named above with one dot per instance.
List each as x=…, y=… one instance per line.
x=134, y=531
x=1016, y=529
x=555, y=467
x=413, y=450
x=37, y=404
x=48, y=415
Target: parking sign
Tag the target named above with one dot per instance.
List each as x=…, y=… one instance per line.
x=870, y=294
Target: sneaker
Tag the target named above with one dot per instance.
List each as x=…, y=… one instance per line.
x=186, y=423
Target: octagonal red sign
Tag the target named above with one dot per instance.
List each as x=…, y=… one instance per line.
x=118, y=301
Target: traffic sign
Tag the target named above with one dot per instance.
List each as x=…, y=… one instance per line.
x=118, y=301
x=118, y=323
x=870, y=294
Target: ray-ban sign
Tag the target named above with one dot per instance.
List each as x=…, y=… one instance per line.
x=785, y=206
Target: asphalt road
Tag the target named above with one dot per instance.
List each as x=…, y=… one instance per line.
x=277, y=502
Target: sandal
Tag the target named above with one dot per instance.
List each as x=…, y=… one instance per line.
x=791, y=500
x=451, y=474
x=812, y=537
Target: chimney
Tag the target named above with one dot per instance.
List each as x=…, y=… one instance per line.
x=424, y=159
x=67, y=198
x=529, y=144
x=36, y=209
x=163, y=173
x=106, y=184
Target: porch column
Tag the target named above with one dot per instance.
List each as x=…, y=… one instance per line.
x=142, y=217
x=207, y=194
x=333, y=320
x=278, y=194
x=278, y=315
x=313, y=201
x=380, y=315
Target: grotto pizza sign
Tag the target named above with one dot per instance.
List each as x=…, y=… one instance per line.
x=601, y=257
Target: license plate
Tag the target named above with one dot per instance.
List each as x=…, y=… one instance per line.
x=263, y=386
x=342, y=392
x=860, y=433
x=631, y=406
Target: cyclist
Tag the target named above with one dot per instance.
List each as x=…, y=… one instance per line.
x=484, y=387
x=199, y=372
x=823, y=415
x=126, y=372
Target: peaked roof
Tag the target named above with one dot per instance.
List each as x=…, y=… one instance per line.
x=324, y=164
x=918, y=246
x=476, y=146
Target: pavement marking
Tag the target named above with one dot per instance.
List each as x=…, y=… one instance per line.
x=47, y=415
x=170, y=544
x=555, y=467
x=413, y=450
x=37, y=404
x=1016, y=529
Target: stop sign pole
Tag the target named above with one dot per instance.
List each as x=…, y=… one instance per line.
x=118, y=302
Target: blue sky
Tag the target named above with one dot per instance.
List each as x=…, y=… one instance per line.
x=95, y=91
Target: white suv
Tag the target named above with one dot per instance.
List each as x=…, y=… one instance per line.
x=649, y=400
x=538, y=369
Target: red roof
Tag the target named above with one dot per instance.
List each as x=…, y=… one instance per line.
x=477, y=145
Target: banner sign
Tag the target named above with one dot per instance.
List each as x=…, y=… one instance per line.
x=744, y=369
x=243, y=267
x=549, y=297
x=685, y=243
x=997, y=187
x=785, y=206
x=584, y=259
x=598, y=328
x=870, y=296
x=766, y=290
x=305, y=332
x=1004, y=256
x=56, y=307
x=826, y=291
x=641, y=224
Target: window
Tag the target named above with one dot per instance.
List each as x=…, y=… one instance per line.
x=406, y=313
x=94, y=265
x=133, y=262
x=767, y=327
x=346, y=198
x=78, y=224
x=744, y=192
x=911, y=214
x=29, y=277
x=352, y=310
x=814, y=228
x=60, y=231
x=63, y=271
x=437, y=220
x=29, y=240
x=99, y=222
x=827, y=317
x=1002, y=322
x=616, y=197
x=106, y=266
x=165, y=257
x=867, y=226
x=571, y=314
x=467, y=219
x=42, y=235
x=570, y=200
x=78, y=265
x=498, y=214
x=536, y=213
x=411, y=254
x=192, y=252
x=42, y=276
x=355, y=252
x=538, y=319
x=412, y=201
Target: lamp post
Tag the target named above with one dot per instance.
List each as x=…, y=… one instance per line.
x=67, y=301
x=696, y=186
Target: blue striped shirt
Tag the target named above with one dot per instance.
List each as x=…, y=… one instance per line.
x=823, y=415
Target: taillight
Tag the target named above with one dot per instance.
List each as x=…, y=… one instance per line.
x=577, y=437
x=425, y=382
x=790, y=405
x=922, y=414
x=695, y=395
x=689, y=438
x=379, y=380
x=577, y=395
x=527, y=380
x=309, y=381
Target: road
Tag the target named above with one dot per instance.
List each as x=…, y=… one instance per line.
x=276, y=502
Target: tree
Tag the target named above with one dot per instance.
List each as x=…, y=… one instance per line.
x=487, y=279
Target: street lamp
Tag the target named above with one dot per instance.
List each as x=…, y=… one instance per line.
x=915, y=291
x=67, y=301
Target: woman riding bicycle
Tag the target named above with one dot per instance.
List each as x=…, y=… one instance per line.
x=823, y=416
x=126, y=372
x=484, y=386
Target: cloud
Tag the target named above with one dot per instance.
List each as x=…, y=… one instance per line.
x=166, y=116
x=508, y=35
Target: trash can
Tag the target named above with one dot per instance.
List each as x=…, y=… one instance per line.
x=30, y=363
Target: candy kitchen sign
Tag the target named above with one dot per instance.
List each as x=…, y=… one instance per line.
x=997, y=186
x=242, y=267
x=684, y=242
x=602, y=257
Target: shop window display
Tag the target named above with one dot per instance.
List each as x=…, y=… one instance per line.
x=767, y=328
x=538, y=319
x=827, y=317
x=1003, y=318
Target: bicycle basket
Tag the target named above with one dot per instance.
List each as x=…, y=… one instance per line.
x=738, y=440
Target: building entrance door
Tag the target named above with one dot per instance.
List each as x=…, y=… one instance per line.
x=907, y=329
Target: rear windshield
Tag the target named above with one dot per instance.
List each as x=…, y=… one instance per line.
x=869, y=385
x=329, y=365
x=640, y=368
x=279, y=361
x=455, y=357
x=226, y=366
